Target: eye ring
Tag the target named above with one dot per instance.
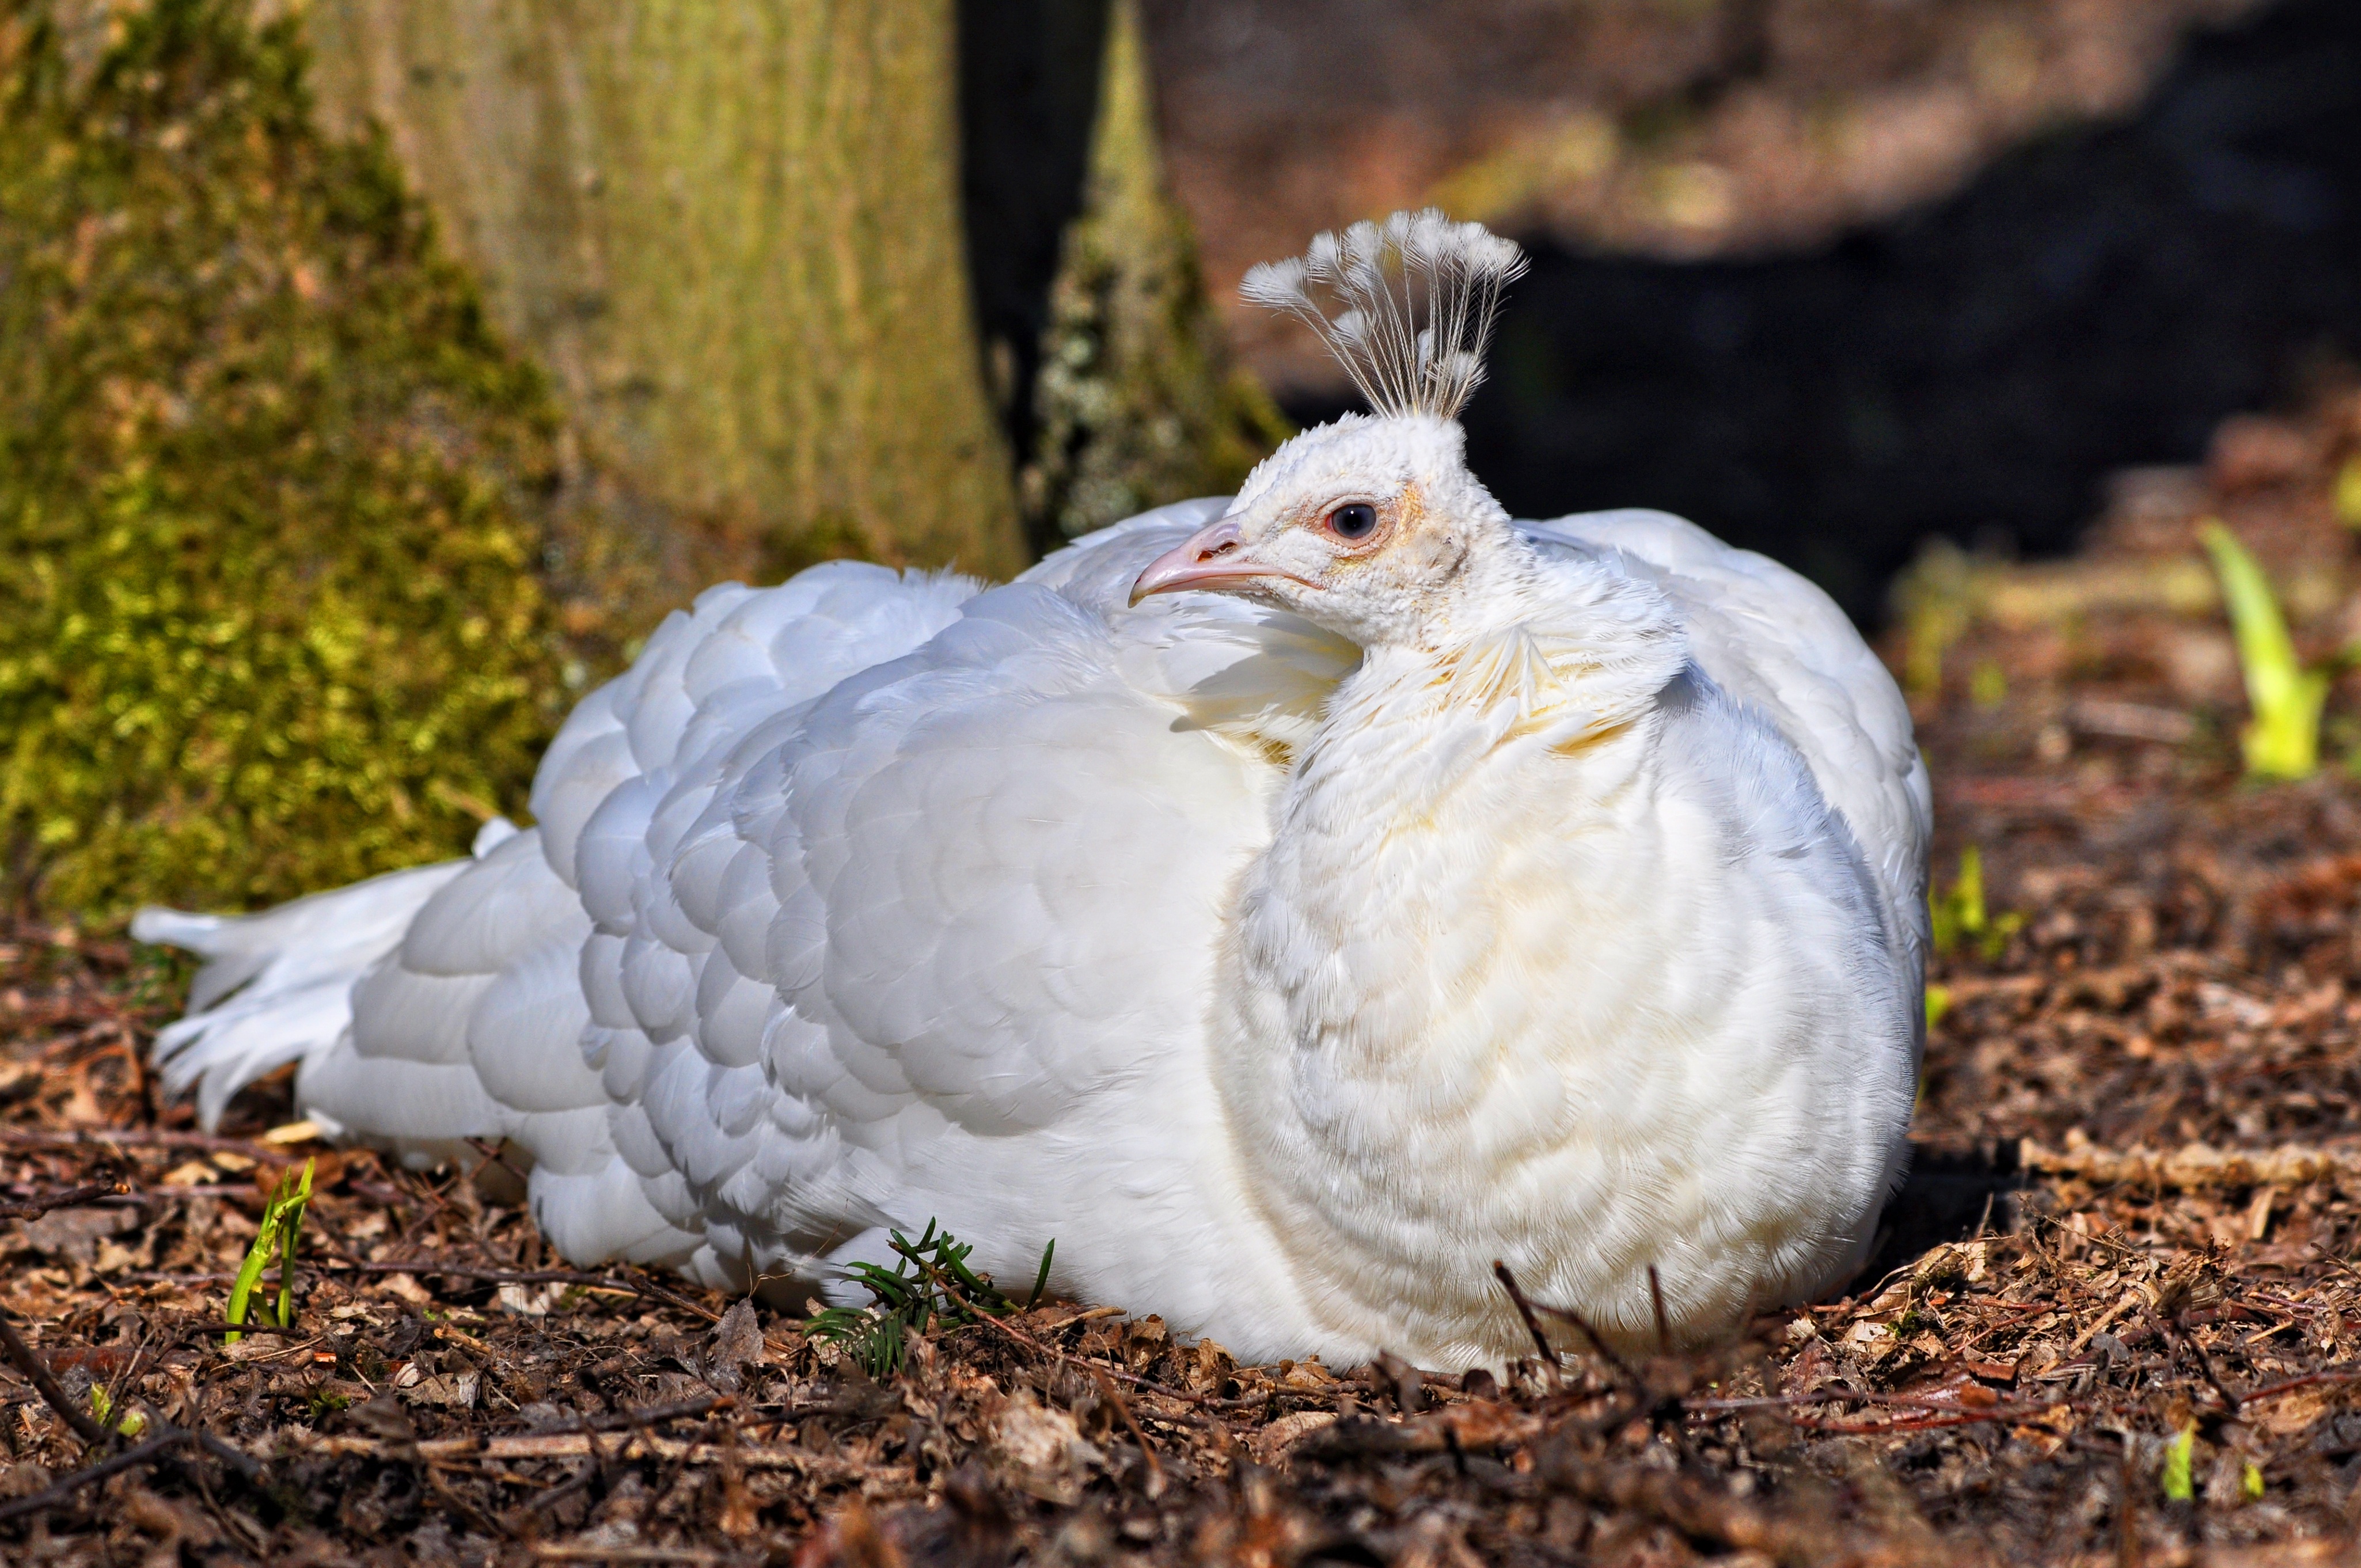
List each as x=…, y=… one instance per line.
x=1355, y=521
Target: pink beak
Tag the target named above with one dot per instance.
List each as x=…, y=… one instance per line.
x=1206, y=559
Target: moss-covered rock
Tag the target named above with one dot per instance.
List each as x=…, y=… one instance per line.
x=275, y=505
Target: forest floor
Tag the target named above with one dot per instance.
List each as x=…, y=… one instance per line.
x=2114, y=1322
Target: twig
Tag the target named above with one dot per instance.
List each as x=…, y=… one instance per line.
x=2178, y=1333
x=36, y=1372
x=249, y=1468
x=635, y=1417
x=2309, y=1380
x=1527, y=1308
x=1155, y=1483
x=627, y=1283
x=1532, y=1325
x=1052, y=1352
x=479, y=1271
x=135, y=1137
x=2194, y=1167
x=32, y=1208
x=1929, y=1422
x=1663, y=1323
x=153, y=1450
x=223, y=1325
x=2010, y=1312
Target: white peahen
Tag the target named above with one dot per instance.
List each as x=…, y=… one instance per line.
x=1289, y=904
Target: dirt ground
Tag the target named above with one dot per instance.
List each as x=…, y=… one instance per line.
x=2115, y=1320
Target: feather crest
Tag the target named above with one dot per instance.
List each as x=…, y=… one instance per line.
x=1418, y=296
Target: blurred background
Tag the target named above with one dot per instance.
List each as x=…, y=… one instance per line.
x=374, y=374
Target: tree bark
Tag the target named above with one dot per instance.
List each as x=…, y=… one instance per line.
x=732, y=231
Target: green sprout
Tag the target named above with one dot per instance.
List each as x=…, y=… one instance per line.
x=131, y=1424
x=1958, y=914
x=2180, y=1484
x=282, y=1226
x=903, y=1303
x=2283, y=741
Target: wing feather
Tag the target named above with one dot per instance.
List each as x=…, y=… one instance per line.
x=1772, y=638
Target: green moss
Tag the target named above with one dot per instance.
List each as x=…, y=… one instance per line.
x=276, y=506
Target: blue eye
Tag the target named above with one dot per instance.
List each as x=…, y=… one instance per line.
x=1358, y=521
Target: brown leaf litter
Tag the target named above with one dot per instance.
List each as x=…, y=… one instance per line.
x=2129, y=1233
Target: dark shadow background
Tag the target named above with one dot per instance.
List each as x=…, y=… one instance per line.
x=1028, y=92
x=2096, y=300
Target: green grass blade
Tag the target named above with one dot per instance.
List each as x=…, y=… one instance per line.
x=1041, y=1280
x=281, y=1215
x=2283, y=739
x=2179, y=1481
x=250, y=1275
x=293, y=1232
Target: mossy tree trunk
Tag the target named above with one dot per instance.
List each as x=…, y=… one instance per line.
x=731, y=230
x=299, y=580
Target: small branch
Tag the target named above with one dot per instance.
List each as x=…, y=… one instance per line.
x=136, y=1138
x=2194, y=1167
x=1532, y=1325
x=36, y=1372
x=1927, y=1422
x=635, y=1417
x=1052, y=1352
x=2310, y=1380
x=477, y=1271
x=149, y=1453
x=1154, y=1485
x=1527, y=1308
x=2176, y=1333
x=32, y=1208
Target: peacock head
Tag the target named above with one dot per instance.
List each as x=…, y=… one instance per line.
x=1373, y=526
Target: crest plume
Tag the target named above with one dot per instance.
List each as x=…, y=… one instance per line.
x=1415, y=298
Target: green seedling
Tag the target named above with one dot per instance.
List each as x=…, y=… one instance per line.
x=2180, y=1484
x=930, y=1282
x=281, y=1228
x=1939, y=1002
x=131, y=1424
x=1958, y=915
x=2283, y=739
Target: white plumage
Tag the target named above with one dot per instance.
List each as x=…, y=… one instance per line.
x=1445, y=890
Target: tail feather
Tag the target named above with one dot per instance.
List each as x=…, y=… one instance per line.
x=277, y=987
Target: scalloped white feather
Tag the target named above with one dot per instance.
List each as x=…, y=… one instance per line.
x=875, y=898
